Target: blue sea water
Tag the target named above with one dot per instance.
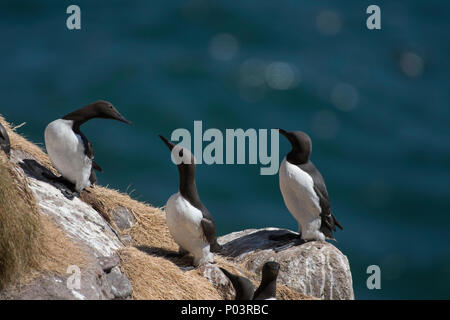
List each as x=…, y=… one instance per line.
x=375, y=103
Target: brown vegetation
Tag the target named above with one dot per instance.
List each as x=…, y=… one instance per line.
x=30, y=243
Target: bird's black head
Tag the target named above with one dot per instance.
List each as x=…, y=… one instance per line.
x=243, y=287
x=106, y=110
x=270, y=271
x=185, y=161
x=99, y=109
x=301, y=146
x=181, y=156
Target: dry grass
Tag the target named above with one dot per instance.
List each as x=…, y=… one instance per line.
x=58, y=251
x=150, y=229
x=157, y=278
x=19, y=225
x=18, y=142
x=55, y=253
x=30, y=243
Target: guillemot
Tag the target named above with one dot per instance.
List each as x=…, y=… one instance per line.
x=189, y=221
x=243, y=287
x=5, y=144
x=304, y=192
x=70, y=151
x=267, y=289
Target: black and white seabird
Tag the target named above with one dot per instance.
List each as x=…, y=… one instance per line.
x=5, y=144
x=70, y=151
x=244, y=288
x=267, y=289
x=304, y=191
x=189, y=221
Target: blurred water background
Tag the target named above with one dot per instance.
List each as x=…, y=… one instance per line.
x=375, y=103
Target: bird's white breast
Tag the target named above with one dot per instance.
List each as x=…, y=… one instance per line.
x=66, y=151
x=184, y=222
x=297, y=188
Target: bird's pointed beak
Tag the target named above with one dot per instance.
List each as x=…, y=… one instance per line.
x=122, y=119
x=283, y=132
x=287, y=135
x=169, y=144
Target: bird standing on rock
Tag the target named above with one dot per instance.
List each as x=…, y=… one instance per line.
x=305, y=193
x=70, y=151
x=189, y=221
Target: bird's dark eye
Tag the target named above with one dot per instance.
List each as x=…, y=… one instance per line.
x=110, y=106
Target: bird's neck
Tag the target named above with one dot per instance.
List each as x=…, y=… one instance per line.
x=269, y=286
x=188, y=188
x=80, y=116
x=297, y=157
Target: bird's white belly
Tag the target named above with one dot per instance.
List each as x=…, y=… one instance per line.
x=297, y=188
x=66, y=152
x=184, y=223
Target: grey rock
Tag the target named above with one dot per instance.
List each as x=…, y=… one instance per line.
x=123, y=218
x=120, y=285
x=218, y=279
x=107, y=263
x=93, y=286
x=79, y=220
x=315, y=268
